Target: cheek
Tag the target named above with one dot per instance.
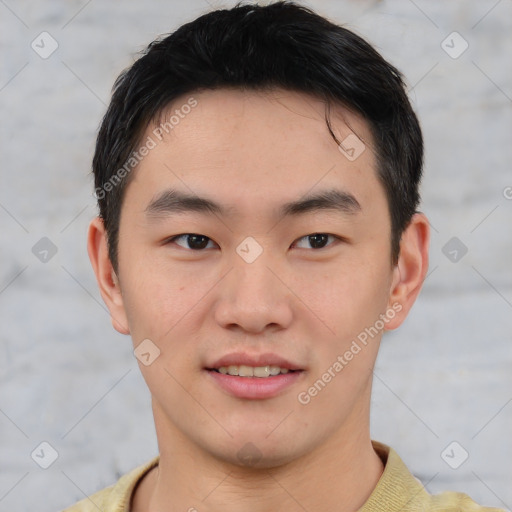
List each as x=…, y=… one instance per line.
x=350, y=303
x=347, y=297
x=154, y=302
x=171, y=308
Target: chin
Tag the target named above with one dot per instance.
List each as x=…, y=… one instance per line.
x=260, y=452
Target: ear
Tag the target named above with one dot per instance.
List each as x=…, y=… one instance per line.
x=108, y=282
x=411, y=269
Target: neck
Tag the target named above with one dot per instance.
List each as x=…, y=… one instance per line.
x=337, y=476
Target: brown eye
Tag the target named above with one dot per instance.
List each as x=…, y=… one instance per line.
x=317, y=240
x=192, y=241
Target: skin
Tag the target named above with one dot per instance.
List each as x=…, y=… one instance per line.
x=254, y=151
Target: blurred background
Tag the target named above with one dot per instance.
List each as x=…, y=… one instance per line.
x=443, y=381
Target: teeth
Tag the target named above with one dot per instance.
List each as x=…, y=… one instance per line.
x=245, y=371
x=251, y=371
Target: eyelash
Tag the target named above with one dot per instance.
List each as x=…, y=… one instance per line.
x=174, y=238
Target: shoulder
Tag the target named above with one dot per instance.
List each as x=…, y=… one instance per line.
x=450, y=501
x=92, y=503
x=399, y=490
x=117, y=497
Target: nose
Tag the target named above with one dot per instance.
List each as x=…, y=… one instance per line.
x=253, y=297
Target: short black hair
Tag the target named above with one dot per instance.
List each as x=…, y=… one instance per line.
x=279, y=45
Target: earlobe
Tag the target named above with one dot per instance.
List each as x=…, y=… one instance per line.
x=411, y=269
x=108, y=282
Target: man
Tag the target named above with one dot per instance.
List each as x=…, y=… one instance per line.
x=257, y=175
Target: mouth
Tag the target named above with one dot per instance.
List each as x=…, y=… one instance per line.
x=255, y=383
x=260, y=372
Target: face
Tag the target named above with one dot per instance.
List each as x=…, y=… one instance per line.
x=304, y=287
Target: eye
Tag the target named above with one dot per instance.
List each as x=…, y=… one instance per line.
x=317, y=240
x=193, y=241
x=197, y=242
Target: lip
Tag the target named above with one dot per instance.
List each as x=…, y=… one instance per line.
x=265, y=359
x=254, y=387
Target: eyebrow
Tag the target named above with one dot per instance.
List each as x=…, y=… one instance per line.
x=172, y=201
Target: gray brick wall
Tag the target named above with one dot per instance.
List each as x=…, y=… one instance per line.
x=67, y=378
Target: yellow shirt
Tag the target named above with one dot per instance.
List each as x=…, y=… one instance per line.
x=396, y=491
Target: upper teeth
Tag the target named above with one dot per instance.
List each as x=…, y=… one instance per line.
x=252, y=371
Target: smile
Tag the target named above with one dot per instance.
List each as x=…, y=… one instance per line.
x=252, y=386
x=252, y=371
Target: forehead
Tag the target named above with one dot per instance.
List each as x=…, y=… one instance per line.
x=229, y=110
x=260, y=146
